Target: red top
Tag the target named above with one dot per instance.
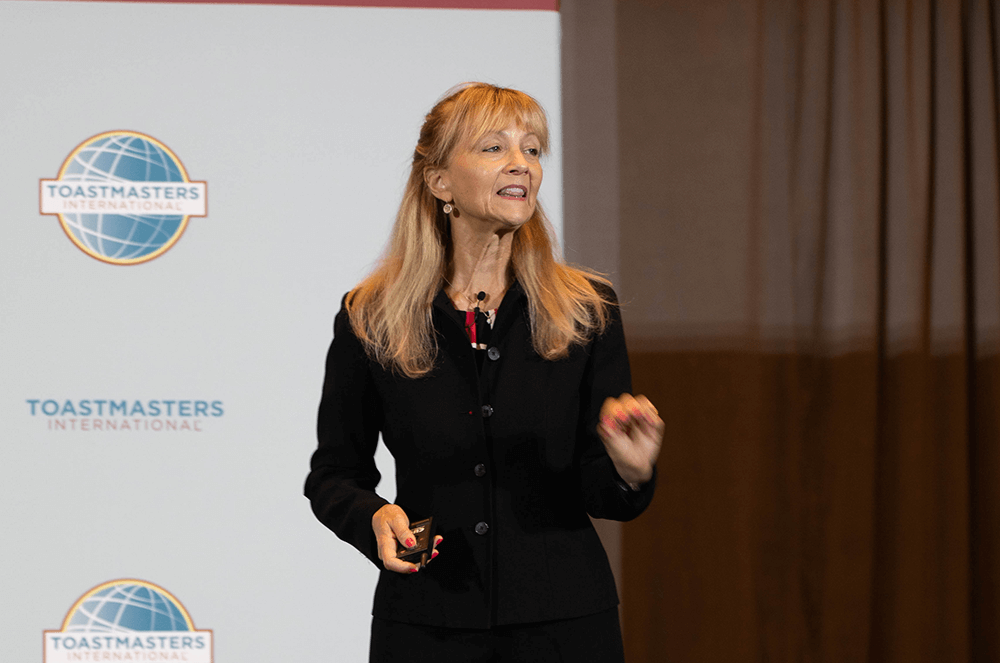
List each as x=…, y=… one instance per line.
x=470, y=326
x=530, y=5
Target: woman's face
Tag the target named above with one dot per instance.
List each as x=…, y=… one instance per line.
x=493, y=181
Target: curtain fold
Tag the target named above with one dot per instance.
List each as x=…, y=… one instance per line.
x=831, y=479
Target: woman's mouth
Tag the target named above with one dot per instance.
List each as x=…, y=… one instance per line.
x=513, y=191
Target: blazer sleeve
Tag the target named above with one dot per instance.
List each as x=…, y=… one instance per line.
x=607, y=374
x=342, y=478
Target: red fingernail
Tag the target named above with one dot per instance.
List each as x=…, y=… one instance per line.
x=414, y=569
x=410, y=543
x=434, y=554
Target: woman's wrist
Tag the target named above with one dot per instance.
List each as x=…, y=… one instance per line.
x=635, y=478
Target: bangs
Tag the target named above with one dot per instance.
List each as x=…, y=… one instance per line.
x=481, y=110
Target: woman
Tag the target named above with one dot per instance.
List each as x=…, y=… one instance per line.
x=499, y=381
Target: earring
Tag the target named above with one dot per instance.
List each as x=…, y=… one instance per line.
x=448, y=207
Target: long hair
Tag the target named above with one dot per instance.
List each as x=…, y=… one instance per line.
x=390, y=310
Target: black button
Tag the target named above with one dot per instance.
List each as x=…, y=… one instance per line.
x=493, y=353
x=480, y=470
x=487, y=411
x=482, y=528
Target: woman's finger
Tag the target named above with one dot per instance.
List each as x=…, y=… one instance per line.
x=643, y=414
x=400, y=525
x=434, y=552
x=649, y=411
x=610, y=430
x=647, y=405
x=387, y=553
x=625, y=414
x=613, y=413
x=623, y=407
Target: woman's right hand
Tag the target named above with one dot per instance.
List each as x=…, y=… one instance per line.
x=390, y=525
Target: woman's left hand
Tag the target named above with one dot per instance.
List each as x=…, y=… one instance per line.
x=632, y=432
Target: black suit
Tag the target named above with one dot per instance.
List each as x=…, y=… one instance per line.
x=511, y=448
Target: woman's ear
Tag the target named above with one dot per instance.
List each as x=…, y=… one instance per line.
x=437, y=181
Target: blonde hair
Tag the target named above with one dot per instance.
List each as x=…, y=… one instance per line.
x=390, y=310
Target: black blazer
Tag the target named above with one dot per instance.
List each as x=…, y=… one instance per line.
x=506, y=459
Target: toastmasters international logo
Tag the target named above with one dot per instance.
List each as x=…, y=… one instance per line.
x=128, y=620
x=123, y=197
x=109, y=415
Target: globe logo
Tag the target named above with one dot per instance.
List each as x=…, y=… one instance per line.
x=125, y=606
x=123, y=197
x=131, y=620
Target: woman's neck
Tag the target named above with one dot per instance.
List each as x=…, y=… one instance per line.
x=479, y=263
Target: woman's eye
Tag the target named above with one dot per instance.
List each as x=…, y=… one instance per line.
x=493, y=148
x=533, y=151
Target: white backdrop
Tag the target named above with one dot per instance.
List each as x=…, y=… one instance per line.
x=301, y=120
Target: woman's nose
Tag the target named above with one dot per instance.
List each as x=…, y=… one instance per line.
x=518, y=164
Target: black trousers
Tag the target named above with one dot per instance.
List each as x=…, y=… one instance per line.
x=593, y=638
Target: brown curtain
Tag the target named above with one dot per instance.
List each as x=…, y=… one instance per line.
x=810, y=264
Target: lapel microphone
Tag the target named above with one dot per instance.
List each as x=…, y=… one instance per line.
x=479, y=299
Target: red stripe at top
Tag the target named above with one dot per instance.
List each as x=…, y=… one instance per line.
x=529, y=5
